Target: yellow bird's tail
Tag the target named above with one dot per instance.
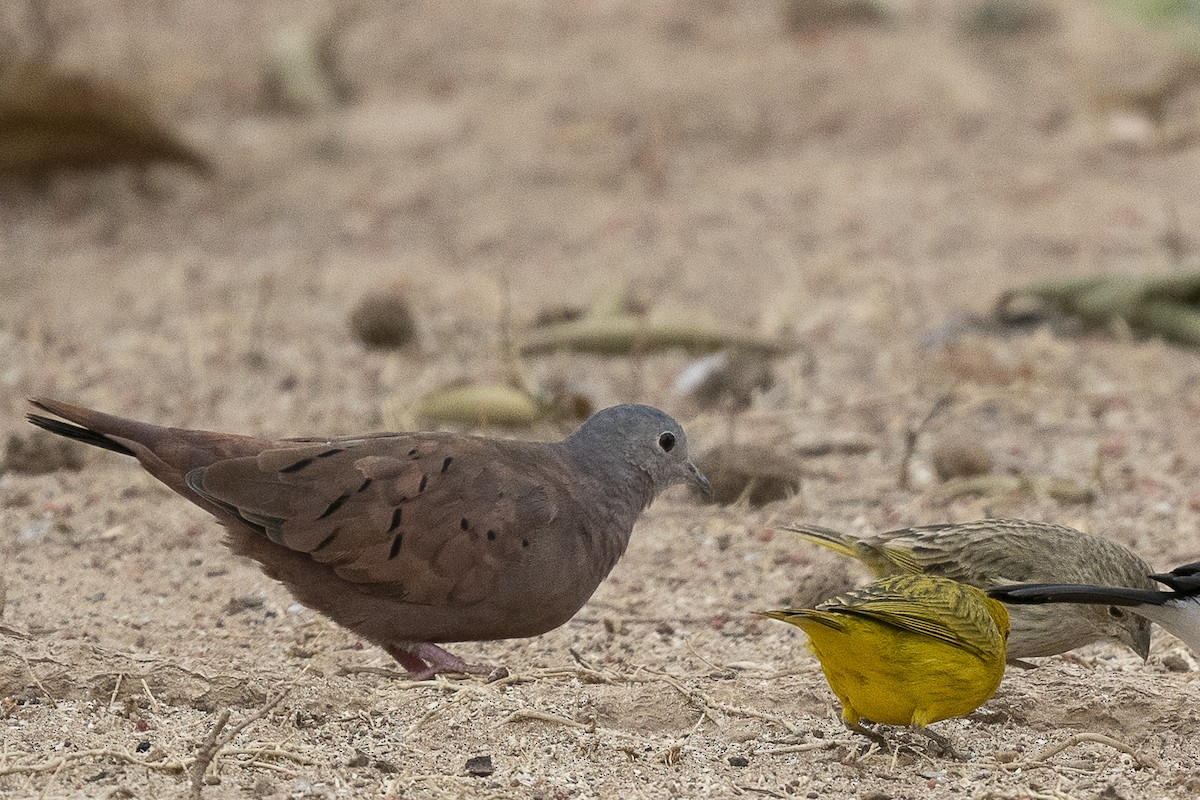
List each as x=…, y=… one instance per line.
x=800, y=616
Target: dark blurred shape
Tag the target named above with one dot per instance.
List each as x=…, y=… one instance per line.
x=556, y=315
x=623, y=301
x=727, y=380
x=758, y=473
x=480, y=766
x=810, y=16
x=820, y=581
x=564, y=404
x=383, y=319
x=1005, y=18
x=957, y=456
x=51, y=121
x=38, y=454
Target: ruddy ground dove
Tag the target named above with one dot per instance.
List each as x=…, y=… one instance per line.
x=416, y=539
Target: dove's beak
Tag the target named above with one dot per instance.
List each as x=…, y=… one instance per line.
x=697, y=479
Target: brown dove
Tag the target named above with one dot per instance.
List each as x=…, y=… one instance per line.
x=416, y=539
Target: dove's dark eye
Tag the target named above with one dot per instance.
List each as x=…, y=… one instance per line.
x=666, y=441
x=1116, y=613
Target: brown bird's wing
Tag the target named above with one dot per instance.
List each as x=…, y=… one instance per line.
x=993, y=552
x=432, y=519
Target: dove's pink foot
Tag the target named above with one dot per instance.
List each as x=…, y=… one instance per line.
x=423, y=660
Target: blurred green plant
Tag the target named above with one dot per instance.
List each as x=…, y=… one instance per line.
x=1181, y=18
x=1163, y=306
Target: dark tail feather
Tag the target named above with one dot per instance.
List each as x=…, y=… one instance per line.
x=1031, y=593
x=75, y=432
x=1184, y=579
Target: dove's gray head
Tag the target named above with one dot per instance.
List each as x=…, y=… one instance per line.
x=638, y=437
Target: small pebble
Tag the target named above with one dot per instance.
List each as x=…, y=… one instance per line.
x=384, y=320
x=959, y=457
x=1176, y=663
x=237, y=605
x=480, y=766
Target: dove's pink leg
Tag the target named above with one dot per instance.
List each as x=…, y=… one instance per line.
x=414, y=655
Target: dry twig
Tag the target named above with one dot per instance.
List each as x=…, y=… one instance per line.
x=213, y=745
x=82, y=755
x=1143, y=761
x=914, y=433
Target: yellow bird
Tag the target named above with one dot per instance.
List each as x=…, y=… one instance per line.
x=991, y=553
x=907, y=650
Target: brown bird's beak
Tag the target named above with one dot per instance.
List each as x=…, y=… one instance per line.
x=1139, y=639
x=697, y=479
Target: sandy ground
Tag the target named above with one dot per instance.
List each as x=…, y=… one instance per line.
x=856, y=185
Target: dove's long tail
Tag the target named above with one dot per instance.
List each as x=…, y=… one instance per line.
x=168, y=454
x=90, y=429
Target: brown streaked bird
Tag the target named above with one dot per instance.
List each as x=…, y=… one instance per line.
x=417, y=539
x=990, y=553
x=1177, y=610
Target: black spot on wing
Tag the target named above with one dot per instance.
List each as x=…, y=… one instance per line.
x=446, y=464
x=328, y=540
x=464, y=524
x=491, y=536
x=396, y=514
x=396, y=543
x=364, y=486
x=328, y=453
x=299, y=465
x=424, y=483
x=334, y=506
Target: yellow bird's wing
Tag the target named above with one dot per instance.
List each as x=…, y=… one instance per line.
x=941, y=609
